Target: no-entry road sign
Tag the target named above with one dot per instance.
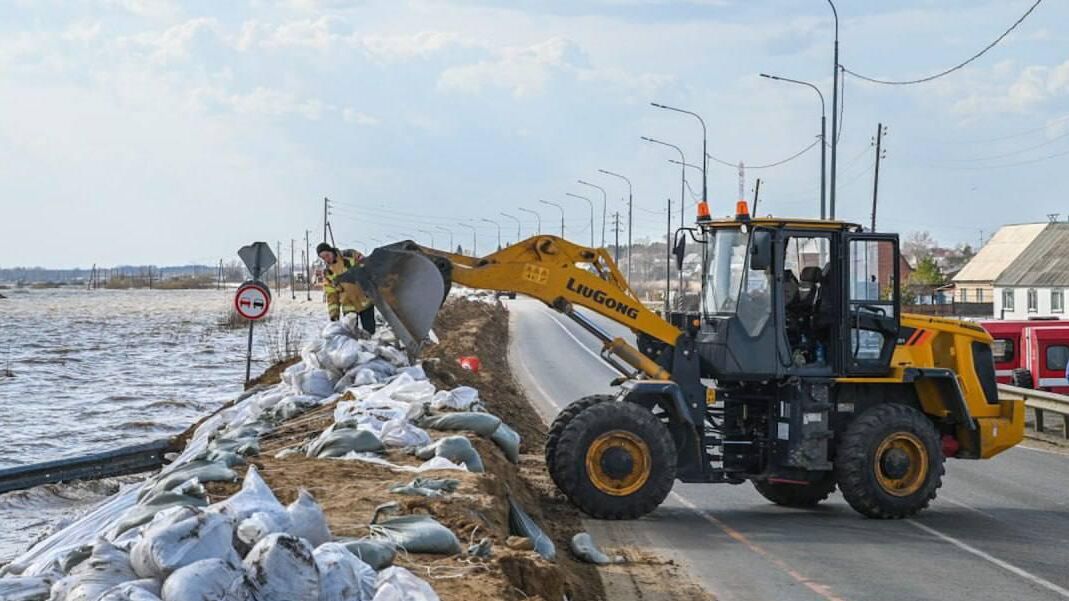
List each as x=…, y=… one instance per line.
x=252, y=300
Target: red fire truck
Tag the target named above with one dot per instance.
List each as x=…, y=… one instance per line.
x=1031, y=354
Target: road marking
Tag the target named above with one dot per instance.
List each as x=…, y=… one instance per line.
x=822, y=590
x=1009, y=567
x=601, y=361
x=1046, y=451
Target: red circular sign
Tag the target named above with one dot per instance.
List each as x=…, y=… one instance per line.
x=252, y=300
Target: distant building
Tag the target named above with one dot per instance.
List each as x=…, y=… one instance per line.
x=1034, y=284
x=975, y=282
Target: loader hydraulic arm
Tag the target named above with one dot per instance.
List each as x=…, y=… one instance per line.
x=564, y=275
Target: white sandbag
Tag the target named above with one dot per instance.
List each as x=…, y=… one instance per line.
x=341, y=352
x=260, y=524
x=415, y=372
x=457, y=449
x=334, y=328
x=281, y=567
x=417, y=533
x=208, y=580
x=133, y=591
x=342, y=575
x=167, y=545
x=150, y=506
x=395, y=356
x=483, y=424
x=307, y=519
x=420, y=391
x=254, y=496
x=315, y=382
x=107, y=567
x=351, y=323
x=440, y=463
x=508, y=440
x=402, y=433
x=521, y=524
x=365, y=376
x=398, y=584
x=377, y=554
x=461, y=398
x=336, y=442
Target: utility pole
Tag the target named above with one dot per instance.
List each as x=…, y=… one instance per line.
x=326, y=205
x=756, y=192
x=880, y=131
x=616, y=230
x=834, y=107
x=307, y=265
x=278, y=266
x=668, y=260
x=293, y=286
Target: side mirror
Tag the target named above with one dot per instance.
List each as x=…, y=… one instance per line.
x=761, y=250
x=680, y=249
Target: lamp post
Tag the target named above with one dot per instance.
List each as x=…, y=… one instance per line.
x=538, y=218
x=834, y=108
x=705, y=150
x=546, y=202
x=519, y=232
x=429, y=233
x=591, y=203
x=630, y=204
x=604, y=201
x=682, y=202
x=823, y=138
x=450, y=232
x=491, y=221
x=474, y=239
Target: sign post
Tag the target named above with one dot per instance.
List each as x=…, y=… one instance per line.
x=253, y=298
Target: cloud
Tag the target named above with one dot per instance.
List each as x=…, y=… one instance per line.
x=351, y=115
x=320, y=34
x=411, y=46
x=1005, y=88
x=174, y=42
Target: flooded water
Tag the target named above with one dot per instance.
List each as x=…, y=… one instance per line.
x=97, y=370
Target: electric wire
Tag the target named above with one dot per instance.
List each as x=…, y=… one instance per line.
x=955, y=67
x=769, y=165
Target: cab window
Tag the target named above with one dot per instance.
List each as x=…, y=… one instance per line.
x=1002, y=350
x=1057, y=357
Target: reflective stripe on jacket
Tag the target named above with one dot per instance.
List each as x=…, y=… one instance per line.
x=343, y=298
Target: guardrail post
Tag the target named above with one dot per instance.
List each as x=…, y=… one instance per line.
x=1039, y=419
x=1065, y=427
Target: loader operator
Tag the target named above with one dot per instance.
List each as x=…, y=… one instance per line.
x=343, y=299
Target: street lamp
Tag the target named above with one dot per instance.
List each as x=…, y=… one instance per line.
x=823, y=138
x=474, y=239
x=705, y=150
x=591, y=203
x=429, y=233
x=630, y=204
x=682, y=206
x=498, y=230
x=537, y=217
x=519, y=232
x=834, y=107
x=547, y=202
x=604, y=201
x=450, y=232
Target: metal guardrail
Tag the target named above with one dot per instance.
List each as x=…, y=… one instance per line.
x=119, y=462
x=1041, y=402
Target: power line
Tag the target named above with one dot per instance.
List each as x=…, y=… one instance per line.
x=774, y=164
x=955, y=67
x=1016, y=164
x=1014, y=152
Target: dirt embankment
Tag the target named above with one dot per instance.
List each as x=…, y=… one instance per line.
x=349, y=491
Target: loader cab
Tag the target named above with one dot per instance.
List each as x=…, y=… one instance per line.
x=797, y=298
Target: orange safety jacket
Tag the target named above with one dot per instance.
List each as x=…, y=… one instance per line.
x=344, y=298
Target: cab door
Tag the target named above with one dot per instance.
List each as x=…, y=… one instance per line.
x=870, y=276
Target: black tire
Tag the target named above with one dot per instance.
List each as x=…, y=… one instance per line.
x=645, y=477
x=868, y=482
x=1022, y=378
x=797, y=495
x=563, y=419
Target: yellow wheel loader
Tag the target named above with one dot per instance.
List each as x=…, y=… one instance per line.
x=799, y=373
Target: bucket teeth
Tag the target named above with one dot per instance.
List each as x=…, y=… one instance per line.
x=408, y=288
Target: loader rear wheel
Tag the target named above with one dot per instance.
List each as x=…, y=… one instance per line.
x=616, y=461
x=564, y=418
x=889, y=462
x=797, y=495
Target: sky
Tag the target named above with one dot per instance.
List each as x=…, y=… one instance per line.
x=160, y=132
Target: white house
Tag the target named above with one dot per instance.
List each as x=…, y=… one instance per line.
x=974, y=283
x=1035, y=284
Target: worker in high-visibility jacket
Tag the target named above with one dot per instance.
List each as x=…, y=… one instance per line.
x=346, y=298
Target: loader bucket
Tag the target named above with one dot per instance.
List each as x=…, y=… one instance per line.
x=408, y=288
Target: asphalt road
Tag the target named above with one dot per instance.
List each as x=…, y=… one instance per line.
x=999, y=529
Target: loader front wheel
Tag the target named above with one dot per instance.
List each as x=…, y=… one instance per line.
x=790, y=494
x=564, y=418
x=615, y=461
x=889, y=462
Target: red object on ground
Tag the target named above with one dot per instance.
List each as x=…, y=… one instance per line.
x=470, y=363
x=950, y=446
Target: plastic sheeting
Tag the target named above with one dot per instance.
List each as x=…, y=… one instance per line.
x=584, y=548
x=107, y=567
x=177, y=539
x=462, y=398
x=522, y=524
x=398, y=584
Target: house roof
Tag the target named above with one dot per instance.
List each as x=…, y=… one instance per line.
x=1044, y=263
x=1000, y=251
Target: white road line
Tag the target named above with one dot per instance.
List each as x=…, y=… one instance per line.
x=601, y=361
x=1046, y=451
x=1009, y=567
